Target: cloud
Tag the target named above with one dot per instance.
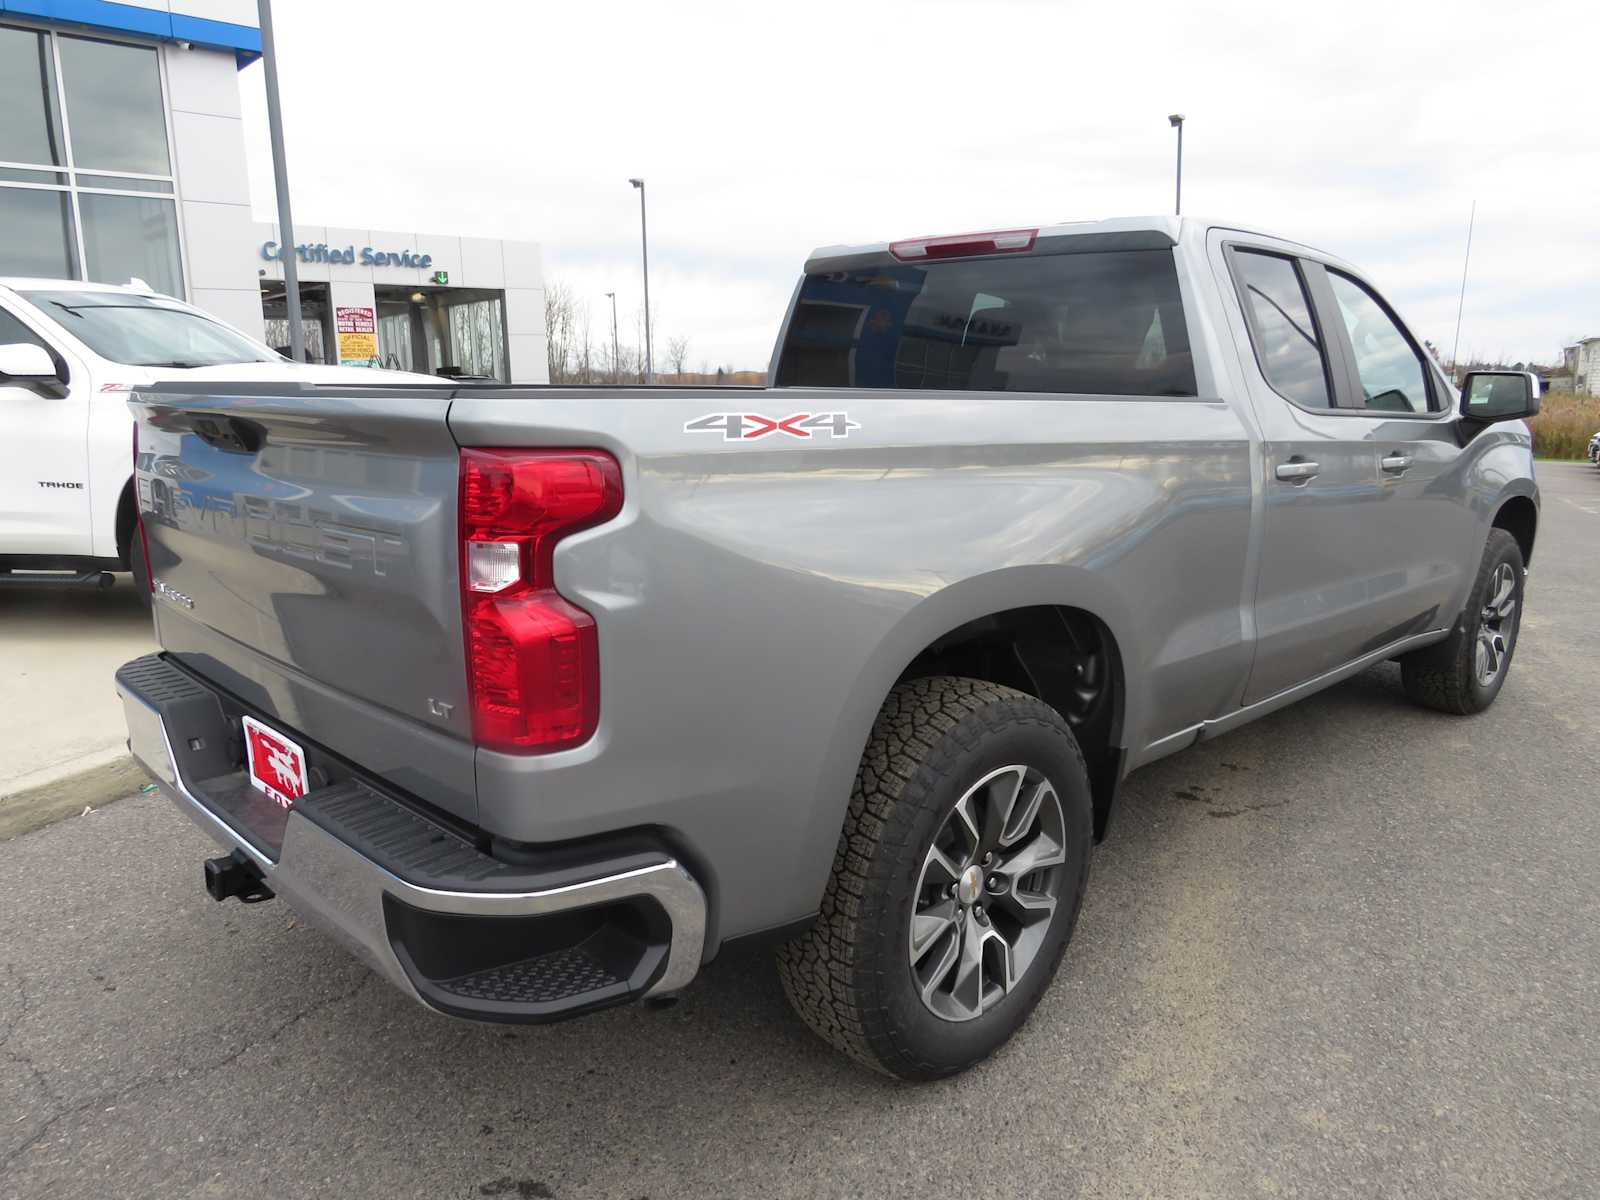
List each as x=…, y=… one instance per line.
x=763, y=131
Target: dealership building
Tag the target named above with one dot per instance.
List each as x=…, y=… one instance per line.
x=122, y=156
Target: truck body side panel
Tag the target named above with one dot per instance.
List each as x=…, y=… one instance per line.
x=757, y=599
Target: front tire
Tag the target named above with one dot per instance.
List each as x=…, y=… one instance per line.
x=956, y=883
x=1465, y=672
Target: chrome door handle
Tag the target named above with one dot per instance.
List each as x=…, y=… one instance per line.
x=1296, y=472
x=1395, y=462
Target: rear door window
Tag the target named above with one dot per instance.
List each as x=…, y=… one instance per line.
x=1101, y=323
x=1288, y=347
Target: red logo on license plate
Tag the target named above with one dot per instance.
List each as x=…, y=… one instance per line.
x=277, y=765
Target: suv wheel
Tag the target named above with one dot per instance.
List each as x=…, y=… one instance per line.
x=956, y=883
x=1465, y=672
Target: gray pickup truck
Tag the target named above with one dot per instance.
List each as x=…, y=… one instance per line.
x=540, y=697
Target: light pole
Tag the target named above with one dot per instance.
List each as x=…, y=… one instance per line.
x=286, y=254
x=616, y=353
x=1176, y=120
x=644, y=245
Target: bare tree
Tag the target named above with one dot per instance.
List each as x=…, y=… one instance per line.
x=586, y=367
x=621, y=362
x=566, y=332
x=678, y=356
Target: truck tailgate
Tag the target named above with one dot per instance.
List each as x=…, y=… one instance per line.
x=302, y=545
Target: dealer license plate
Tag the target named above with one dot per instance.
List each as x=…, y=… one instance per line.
x=277, y=765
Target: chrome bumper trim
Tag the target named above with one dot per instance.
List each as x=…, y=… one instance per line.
x=342, y=891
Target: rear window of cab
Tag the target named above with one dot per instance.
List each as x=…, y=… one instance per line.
x=1099, y=323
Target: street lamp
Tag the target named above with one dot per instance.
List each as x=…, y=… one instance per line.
x=644, y=245
x=616, y=353
x=280, y=177
x=1176, y=121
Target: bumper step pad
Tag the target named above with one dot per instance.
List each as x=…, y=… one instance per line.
x=548, y=979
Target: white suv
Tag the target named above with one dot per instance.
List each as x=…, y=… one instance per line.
x=69, y=354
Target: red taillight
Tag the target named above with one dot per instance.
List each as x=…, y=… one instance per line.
x=533, y=663
x=959, y=245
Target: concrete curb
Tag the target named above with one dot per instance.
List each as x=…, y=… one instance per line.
x=92, y=787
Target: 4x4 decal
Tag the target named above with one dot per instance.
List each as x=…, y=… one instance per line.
x=736, y=427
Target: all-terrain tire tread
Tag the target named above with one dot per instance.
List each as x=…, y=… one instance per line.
x=832, y=974
x=1441, y=676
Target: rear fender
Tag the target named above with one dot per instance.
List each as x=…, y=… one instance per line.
x=932, y=618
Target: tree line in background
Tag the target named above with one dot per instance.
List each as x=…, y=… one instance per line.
x=583, y=350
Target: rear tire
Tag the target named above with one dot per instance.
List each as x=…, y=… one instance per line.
x=906, y=971
x=1465, y=672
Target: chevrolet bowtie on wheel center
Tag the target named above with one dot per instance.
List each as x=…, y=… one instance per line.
x=540, y=698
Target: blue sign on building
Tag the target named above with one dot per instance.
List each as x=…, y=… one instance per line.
x=322, y=253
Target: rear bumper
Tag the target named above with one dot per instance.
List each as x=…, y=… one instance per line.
x=464, y=933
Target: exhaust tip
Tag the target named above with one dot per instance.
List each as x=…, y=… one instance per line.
x=235, y=875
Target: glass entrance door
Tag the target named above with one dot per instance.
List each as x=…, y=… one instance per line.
x=397, y=343
x=443, y=331
x=314, y=313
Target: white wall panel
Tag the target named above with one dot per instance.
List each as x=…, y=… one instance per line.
x=482, y=263
x=529, y=363
x=394, y=242
x=524, y=264
x=219, y=247
x=210, y=157
x=341, y=239
x=234, y=12
x=446, y=254
x=304, y=235
x=203, y=81
x=525, y=311
x=240, y=309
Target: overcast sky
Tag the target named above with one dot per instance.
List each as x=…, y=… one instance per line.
x=764, y=130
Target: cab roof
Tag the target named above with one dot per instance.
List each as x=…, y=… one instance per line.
x=1147, y=232
x=23, y=283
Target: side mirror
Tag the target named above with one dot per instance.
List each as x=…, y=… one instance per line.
x=1499, y=395
x=23, y=362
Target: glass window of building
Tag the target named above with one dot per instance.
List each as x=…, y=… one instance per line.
x=86, y=183
x=114, y=108
x=452, y=332
x=126, y=237
x=477, y=338
x=30, y=126
x=38, y=238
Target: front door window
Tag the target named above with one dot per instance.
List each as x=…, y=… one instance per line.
x=1393, y=377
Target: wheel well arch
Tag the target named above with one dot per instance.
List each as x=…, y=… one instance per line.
x=1065, y=656
x=127, y=514
x=1519, y=517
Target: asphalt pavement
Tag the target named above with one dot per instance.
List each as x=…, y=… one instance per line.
x=1350, y=950
x=59, y=714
